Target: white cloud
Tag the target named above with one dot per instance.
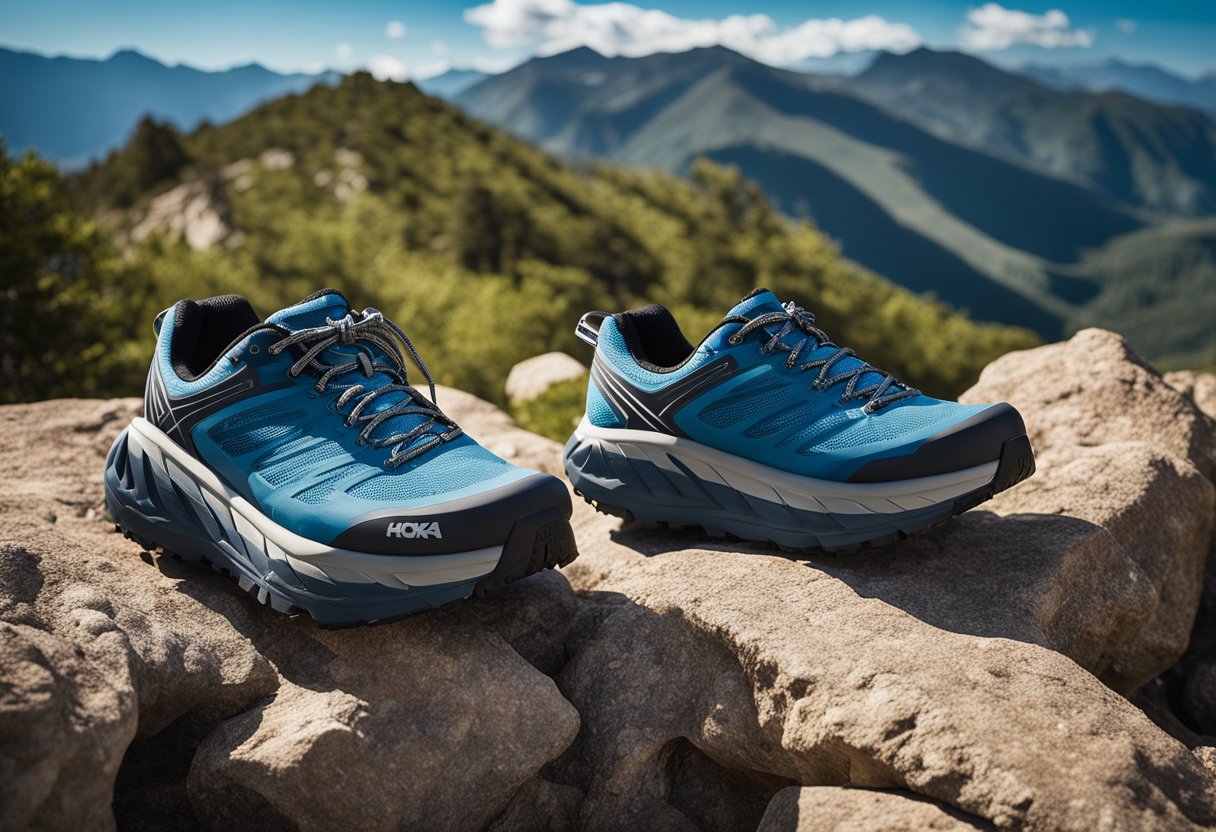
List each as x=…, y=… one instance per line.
x=386, y=67
x=424, y=71
x=439, y=47
x=1126, y=26
x=552, y=26
x=992, y=26
x=395, y=29
x=343, y=51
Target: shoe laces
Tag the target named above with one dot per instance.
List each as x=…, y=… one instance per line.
x=371, y=327
x=794, y=318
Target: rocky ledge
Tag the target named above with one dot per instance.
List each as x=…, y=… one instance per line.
x=1047, y=661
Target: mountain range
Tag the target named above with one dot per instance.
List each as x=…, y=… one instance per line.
x=74, y=110
x=451, y=82
x=1018, y=197
x=485, y=247
x=1140, y=152
x=1148, y=81
x=935, y=169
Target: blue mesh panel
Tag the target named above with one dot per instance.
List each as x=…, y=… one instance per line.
x=278, y=470
x=881, y=427
x=748, y=401
x=255, y=428
x=435, y=473
x=599, y=412
x=318, y=492
x=782, y=420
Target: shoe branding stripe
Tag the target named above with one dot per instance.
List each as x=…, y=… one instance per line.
x=177, y=417
x=656, y=410
x=625, y=399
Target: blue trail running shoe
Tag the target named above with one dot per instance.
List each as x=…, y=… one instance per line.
x=294, y=454
x=770, y=432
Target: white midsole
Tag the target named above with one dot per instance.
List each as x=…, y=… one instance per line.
x=765, y=483
x=172, y=464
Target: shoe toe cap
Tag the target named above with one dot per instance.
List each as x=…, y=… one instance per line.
x=973, y=441
x=475, y=522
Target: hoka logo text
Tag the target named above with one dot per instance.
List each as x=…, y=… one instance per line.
x=412, y=530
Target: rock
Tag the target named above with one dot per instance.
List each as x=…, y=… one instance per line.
x=528, y=379
x=1207, y=756
x=1192, y=681
x=830, y=809
x=100, y=647
x=966, y=665
x=105, y=646
x=1092, y=390
x=1199, y=387
x=1160, y=510
x=540, y=806
x=971, y=676
x=276, y=158
x=194, y=211
x=914, y=667
x=433, y=725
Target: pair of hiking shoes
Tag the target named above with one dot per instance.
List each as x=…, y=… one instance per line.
x=293, y=453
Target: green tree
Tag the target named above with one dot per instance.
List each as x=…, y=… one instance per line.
x=69, y=302
x=154, y=157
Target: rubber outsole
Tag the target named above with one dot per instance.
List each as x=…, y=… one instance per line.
x=156, y=514
x=1015, y=464
x=529, y=550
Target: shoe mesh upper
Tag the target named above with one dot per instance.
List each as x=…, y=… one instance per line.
x=450, y=470
x=290, y=461
x=318, y=492
x=749, y=401
x=256, y=429
x=842, y=431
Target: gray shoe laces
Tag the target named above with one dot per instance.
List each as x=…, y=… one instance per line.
x=372, y=327
x=796, y=318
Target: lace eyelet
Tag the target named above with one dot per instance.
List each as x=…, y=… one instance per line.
x=254, y=349
x=735, y=341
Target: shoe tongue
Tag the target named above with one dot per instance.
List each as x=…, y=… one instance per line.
x=754, y=304
x=312, y=311
x=330, y=304
x=761, y=301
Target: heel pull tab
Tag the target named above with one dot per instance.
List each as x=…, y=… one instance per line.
x=160, y=321
x=588, y=333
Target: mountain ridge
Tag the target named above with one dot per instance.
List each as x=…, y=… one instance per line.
x=1154, y=156
x=1145, y=80
x=996, y=232
x=74, y=110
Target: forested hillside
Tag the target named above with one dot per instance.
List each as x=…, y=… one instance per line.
x=484, y=248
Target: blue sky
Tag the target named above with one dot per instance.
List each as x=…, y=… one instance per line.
x=402, y=39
